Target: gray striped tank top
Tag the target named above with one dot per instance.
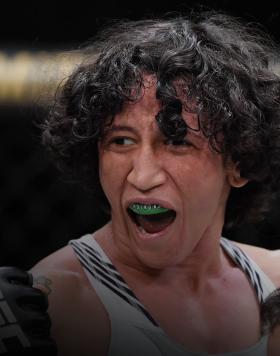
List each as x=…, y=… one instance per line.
x=133, y=330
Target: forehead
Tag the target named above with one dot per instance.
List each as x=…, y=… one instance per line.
x=144, y=110
x=146, y=103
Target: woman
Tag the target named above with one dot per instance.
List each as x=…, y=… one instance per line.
x=175, y=124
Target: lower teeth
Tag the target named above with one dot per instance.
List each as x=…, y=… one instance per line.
x=142, y=230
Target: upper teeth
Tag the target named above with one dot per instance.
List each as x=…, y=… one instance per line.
x=145, y=206
x=147, y=209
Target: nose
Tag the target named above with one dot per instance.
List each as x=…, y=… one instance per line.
x=147, y=172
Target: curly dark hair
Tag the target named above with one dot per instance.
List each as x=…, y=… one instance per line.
x=225, y=66
x=270, y=312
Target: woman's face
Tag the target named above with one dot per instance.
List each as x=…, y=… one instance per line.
x=143, y=174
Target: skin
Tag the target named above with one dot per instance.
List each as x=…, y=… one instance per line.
x=192, y=177
x=197, y=288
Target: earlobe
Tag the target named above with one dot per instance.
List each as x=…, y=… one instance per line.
x=236, y=181
x=234, y=178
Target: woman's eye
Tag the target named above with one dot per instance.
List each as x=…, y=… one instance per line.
x=123, y=141
x=179, y=143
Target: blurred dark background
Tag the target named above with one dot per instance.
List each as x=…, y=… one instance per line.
x=39, y=212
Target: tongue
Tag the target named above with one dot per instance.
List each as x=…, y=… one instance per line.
x=155, y=223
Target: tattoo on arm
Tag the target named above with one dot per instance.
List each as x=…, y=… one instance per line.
x=43, y=282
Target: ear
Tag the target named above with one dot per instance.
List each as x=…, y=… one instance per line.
x=233, y=176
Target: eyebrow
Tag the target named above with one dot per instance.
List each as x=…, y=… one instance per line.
x=115, y=128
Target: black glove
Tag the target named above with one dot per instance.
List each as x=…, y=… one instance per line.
x=24, y=321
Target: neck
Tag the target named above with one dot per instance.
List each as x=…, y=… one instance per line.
x=204, y=263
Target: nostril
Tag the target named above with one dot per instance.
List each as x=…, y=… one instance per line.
x=146, y=178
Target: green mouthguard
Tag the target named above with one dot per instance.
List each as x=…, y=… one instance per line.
x=147, y=209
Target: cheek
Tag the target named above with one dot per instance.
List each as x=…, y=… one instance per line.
x=203, y=178
x=105, y=172
x=111, y=174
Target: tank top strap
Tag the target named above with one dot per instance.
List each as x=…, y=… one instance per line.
x=118, y=299
x=260, y=281
x=132, y=328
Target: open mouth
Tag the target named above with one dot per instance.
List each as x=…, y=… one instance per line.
x=151, y=218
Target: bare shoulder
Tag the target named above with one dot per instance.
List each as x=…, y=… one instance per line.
x=58, y=273
x=79, y=321
x=62, y=265
x=268, y=260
